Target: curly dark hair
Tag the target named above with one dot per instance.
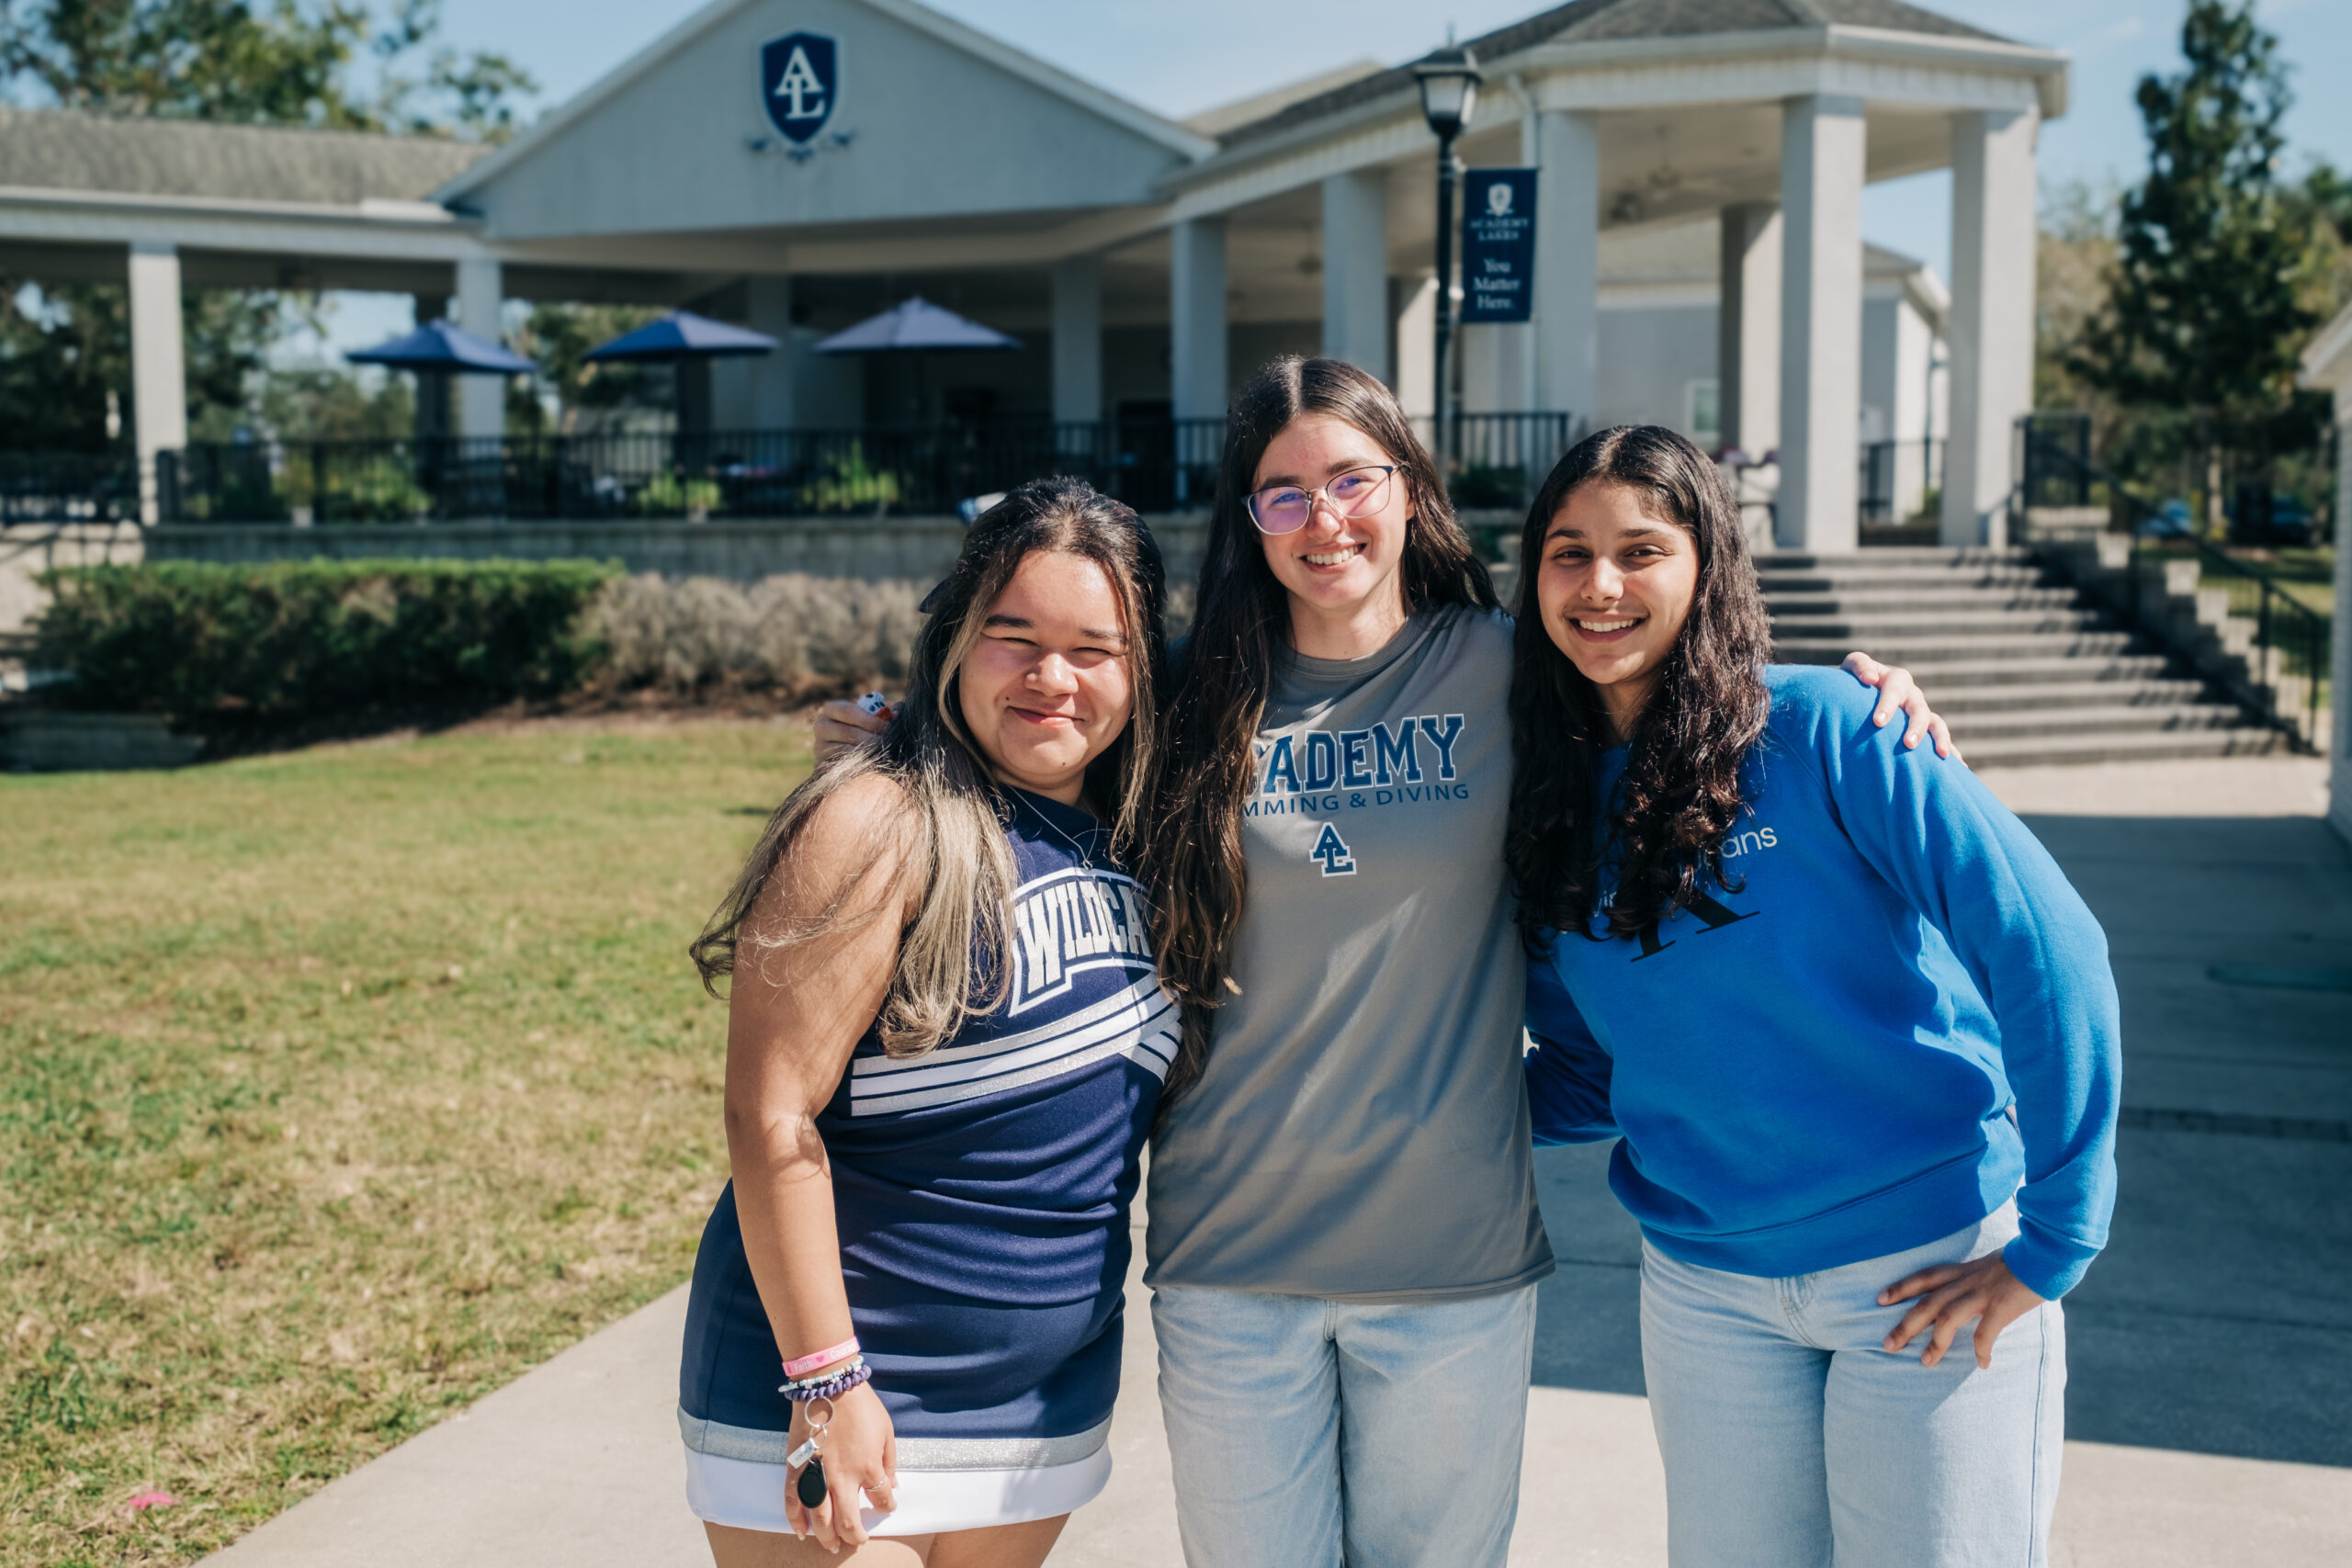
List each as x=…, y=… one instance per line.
x=1198, y=871
x=1679, y=793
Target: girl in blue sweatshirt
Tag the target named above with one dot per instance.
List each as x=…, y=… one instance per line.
x=1855, y=1031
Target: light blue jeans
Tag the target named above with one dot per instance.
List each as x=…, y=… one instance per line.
x=1792, y=1441
x=1311, y=1434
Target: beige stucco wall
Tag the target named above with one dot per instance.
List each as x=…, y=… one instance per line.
x=28, y=549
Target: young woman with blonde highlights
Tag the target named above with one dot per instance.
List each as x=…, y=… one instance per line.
x=946, y=1042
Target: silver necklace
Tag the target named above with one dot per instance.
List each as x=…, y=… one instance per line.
x=1076, y=848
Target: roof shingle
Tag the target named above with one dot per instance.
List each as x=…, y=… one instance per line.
x=69, y=150
x=1598, y=21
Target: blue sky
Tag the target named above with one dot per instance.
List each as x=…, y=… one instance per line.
x=1179, y=57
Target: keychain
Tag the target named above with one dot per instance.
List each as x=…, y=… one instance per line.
x=812, y=1484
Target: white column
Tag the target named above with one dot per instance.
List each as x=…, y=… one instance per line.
x=758, y=391
x=158, y=363
x=1991, y=324
x=1196, y=364
x=482, y=399
x=1567, y=263
x=1078, y=340
x=1355, y=269
x=1748, y=344
x=1820, y=323
x=1415, y=304
x=1494, y=367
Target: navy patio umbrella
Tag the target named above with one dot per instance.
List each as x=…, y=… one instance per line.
x=915, y=326
x=437, y=345
x=681, y=334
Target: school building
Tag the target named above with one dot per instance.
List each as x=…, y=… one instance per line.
x=796, y=165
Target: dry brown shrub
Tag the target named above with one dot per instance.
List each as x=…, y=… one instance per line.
x=791, y=632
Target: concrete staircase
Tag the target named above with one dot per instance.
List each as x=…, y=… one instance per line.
x=2024, y=667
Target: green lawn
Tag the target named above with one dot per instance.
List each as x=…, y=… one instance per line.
x=336, y=1089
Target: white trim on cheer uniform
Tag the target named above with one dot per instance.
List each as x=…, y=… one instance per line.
x=759, y=1446
x=746, y=1494
x=1139, y=1024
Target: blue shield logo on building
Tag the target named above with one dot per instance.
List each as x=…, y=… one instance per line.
x=798, y=74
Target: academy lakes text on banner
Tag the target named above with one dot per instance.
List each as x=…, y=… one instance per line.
x=1497, y=245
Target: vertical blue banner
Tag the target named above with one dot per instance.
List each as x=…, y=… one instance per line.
x=1497, y=245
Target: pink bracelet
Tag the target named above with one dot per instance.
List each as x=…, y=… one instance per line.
x=815, y=1358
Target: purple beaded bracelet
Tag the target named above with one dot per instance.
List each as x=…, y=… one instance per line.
x=831, y=1387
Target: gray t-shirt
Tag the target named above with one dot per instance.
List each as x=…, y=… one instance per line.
x=1361, y=1132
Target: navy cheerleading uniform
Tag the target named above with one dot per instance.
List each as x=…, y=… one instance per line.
x=981, y=1192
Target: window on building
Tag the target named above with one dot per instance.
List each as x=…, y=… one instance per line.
x=1702, y=412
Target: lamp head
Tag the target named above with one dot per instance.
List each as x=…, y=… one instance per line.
x=1449, y=80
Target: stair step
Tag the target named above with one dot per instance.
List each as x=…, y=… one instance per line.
x=2026, y=669
x=1893, y=555
x=1924, y=578
x=2154, y=696
x=1936, y=673
x=2135, y=747
x=1891, y=602
x=2068, y=723
x=1975, y=648
x=1959, y=621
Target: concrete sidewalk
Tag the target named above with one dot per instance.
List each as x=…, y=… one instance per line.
x=2211, y=1347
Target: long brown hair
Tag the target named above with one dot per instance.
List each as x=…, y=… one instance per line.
x=1196, y=865
x=1679, y=793
x=949, y=845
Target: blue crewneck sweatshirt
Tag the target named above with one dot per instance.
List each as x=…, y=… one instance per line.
x=1897, y=1012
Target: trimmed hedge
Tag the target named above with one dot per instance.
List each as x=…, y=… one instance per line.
x=295, y=639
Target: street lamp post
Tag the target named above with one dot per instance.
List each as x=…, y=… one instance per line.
x=1449, y=81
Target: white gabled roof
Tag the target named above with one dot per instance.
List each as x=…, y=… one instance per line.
x=1132, y=116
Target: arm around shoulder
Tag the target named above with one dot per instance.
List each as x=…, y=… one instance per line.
x=1567, y=1070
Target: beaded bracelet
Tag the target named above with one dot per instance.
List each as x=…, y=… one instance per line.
x=793, y=1386
x=830, y=1386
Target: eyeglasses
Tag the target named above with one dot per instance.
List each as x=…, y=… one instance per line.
x=1284, y=509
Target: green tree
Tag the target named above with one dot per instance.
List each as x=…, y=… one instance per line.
x=64, y=346
x=2212, y=293
x=64, y=362
x=283, y=63
x=559, y=336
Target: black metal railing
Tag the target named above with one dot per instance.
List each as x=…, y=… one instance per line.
x=2054, y=466
x=2290, y=638
x=1153, y=465
x=695, y=475
x=1500, y=459
x=1893, y=472
x=69, y=487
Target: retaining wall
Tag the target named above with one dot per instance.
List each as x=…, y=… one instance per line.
x=742, y=549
